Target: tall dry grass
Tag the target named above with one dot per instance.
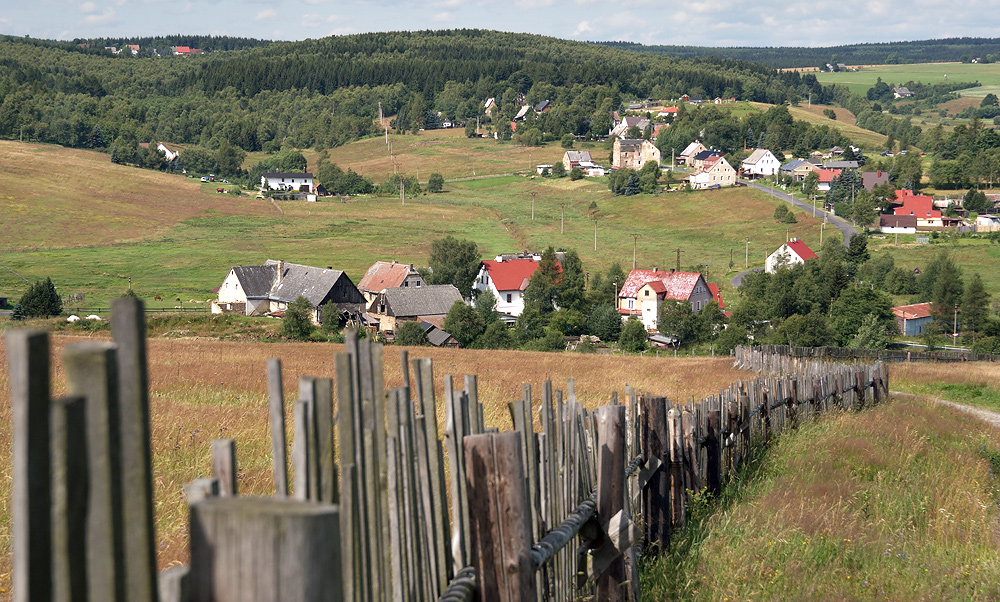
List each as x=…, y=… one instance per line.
x=203, y=389
x=896, y=503
x=975, y=383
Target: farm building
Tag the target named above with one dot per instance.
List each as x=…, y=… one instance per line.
x=300, y=182
x=633, y=154
x=761, y=162
x=388, y=274
x=255, y=290
x=644, y=290
x=913, y=319
x=429, y=303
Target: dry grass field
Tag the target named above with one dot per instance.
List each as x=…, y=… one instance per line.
x=203, y=389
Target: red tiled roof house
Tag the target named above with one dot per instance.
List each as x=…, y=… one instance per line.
x=507, y=277
x=792, y=252
x=644, y=290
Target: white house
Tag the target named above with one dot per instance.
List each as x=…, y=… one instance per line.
x=715, y=171
x=507, y=277
x=761, y=162
x=301, y=182
x=792, y=252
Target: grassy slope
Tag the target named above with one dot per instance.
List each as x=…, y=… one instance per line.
x=972, y=255
x=845, y=122
x=178, y=242
x=927, y=73
x=203, y=389
x=897, y=503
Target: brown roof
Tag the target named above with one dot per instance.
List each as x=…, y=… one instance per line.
x=383, y=275
x=897, y=221
x=912, y=312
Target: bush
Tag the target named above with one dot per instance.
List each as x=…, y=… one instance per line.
x=829, y=114
x=605, y=323
x=567, y=141
x=41, y=300
x=496, y=336
x=558, y=170
x=780, y=213
x=633, y=337
x=329, y=319
x=297, y=323
x=410, y=334
x=576, y=174
x=790, y=218
x=435, y=183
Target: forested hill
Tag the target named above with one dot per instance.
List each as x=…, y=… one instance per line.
x=924, y=51
x=326, y=92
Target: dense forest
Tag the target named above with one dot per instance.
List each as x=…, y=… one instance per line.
x=324, y=93
x=924, y=51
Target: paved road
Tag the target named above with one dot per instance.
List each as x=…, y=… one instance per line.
x=845, y=227
x=737, y=280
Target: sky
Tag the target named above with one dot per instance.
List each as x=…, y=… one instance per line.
x=684, y=22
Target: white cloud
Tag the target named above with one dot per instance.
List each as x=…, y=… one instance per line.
x=443, y=17
x=102, y=19
x=266, y=14
x=88, y=7
x=315, y=2
x=583, y=27
x=448, y=3
x=317, y=20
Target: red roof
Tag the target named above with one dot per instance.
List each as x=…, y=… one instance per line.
x=801, y=249
x=912, y=312
x=827, y=175
x=915, y=204
x=182, y=49
x=716, y=295
x=676, y=285
x=384, y=275
x=669, y=110
x=511, y=275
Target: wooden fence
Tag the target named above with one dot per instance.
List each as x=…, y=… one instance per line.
x=845, y=354
x=559, y=514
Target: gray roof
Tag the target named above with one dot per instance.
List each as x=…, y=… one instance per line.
x=431, y=300
x=280, y=174
x=628, y=145
x=840, y=165
x=303, y=280
x=705, y=154
x=578, y=156
x=792, y=164
x=256, y=280
x=435, y=336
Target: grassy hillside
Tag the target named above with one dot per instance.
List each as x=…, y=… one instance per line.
x=845, y=122
x=203, y=389
x=178, y=240
x=896, y=503
x=927, y=73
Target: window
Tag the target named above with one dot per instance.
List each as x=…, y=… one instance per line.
x=418, y=284
x=647, y=292
x=508, y=297
x=631, y=303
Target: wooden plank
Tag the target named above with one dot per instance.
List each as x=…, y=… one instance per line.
x=128, y=327
x=28, y=365
x=201, y=489
x=501, y=536
x=712, y=446
x=300, y=451
x=276, y=413
x=476, y=426
x=91, y=372
x=395, y=503
x=382, y=469
x=69, y=500
x=610, y=494
x=657, y=506
x=224, y=466
x=437, y=509
x=174, y=584
x=454, y=433
x=326, y=485
x=348, y=495
x=264, y=549
x=676, y=468
x=307, y=395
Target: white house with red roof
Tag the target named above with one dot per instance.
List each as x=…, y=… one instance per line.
x=715, y=171
x=644, y=290
x=919, y=205
x=792, y=252
x=507, y=277
x=826, y=178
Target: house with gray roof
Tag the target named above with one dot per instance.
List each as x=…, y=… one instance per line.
x=429, y=303
x=256, y=290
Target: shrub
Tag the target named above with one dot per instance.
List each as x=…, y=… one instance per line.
x=633, y=337
x=780, y=213
x=605, y=323
x=297, y=323
x=329, y=318
x=829, y=114
x=410, y=334
x=435, y=183
x=567, y=141
x=576, y=174
x=41, y=300
x=558, y=170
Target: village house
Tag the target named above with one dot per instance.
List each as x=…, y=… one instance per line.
x=705, y=156
x=919, y=205
x=644, y=290
x=690, y=152
x=256, y=290
x=437, y=337
x=792, y=252
x=429, y=303
x=630, y=121
x=633, y=154
x=871, y=179
x=714, y=172
x=797, y=169
x=761, y=162
x=507, y=277
x=901, y=92
x=521, y=113
x=584, y=161
x=168, y=154
x=913, y=320
x=826, y=178
x=897, y=224
x=490, y=106
x=667, y=113
x=543, y=107
x=300, y=182
x=388, y=274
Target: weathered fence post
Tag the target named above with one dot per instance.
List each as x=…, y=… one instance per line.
x=611, y=493
x=500, y=529
x=712, y=446
x=656, y=450
x=276, y=412
x=128, y=325
x=92, y=372
x=69, y=500
x=766, y=413
x=676, y=467
x=793, y=404
x=28, y=363
x=224, y=466
x=859, y=377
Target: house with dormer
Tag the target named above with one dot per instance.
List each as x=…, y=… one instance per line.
x=644, y=290
x=714, y=172
x=633, y=154
x=507, y=277
x=389, y=274
x=792, y=252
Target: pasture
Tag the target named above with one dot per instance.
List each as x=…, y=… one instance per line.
x=102, y=223
x=927, y=73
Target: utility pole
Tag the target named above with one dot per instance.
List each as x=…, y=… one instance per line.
x=533, y=193
x=595, y=233
x=822, y=226
x=678, y=259
x=562, y=218
x=402, y=191
x=635, y=239
x=747, y=263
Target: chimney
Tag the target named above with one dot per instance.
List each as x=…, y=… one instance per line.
x=281, y=269
x=656, y=268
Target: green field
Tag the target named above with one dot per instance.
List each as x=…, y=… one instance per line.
x=177, y=239
x=927, y=73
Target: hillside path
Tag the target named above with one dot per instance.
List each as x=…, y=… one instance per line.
x=844, y=226
x=993, y=418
